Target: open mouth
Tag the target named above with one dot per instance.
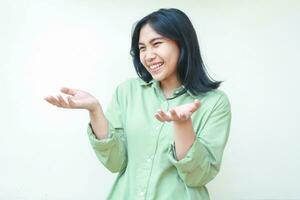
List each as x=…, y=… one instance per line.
x=155, y=68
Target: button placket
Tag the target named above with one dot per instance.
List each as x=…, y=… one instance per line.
x=149, y=159
x=141, y=195
x=165, y=105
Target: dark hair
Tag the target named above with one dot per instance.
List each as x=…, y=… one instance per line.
x=175, y=25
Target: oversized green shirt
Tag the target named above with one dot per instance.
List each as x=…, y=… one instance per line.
x=141, y=148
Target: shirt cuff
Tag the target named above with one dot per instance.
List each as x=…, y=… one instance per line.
x=100, y=144
x=194, y=156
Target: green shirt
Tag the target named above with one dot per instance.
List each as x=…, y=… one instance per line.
x=141, y=148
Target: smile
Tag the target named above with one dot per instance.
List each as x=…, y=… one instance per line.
x=155, y=68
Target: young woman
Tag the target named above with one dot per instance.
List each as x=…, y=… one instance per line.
x=165, y=131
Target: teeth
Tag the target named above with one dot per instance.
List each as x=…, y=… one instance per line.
x=155, y=66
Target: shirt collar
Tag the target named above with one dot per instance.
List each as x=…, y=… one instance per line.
x=144, y=83
x=178, y=91
x=192, y=95
x=152, y=83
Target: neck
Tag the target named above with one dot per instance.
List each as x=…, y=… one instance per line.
x=168, y=86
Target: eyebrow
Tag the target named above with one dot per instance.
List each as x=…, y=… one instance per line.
x=152, y=40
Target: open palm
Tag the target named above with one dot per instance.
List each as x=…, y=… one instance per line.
x=178, y=113
x=75, y=99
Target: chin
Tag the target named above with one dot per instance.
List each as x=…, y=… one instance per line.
x=157, y=78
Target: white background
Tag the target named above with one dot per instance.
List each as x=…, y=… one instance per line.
x=44, y=151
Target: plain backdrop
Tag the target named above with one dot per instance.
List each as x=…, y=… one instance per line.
x=253, y=46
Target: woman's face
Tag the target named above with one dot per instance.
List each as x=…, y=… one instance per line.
x=159, y=55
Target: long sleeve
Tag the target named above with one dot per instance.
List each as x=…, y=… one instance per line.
x=202, y=162
x=112, y=151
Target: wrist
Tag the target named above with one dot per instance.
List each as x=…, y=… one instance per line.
x=183, y=123
x=95, y=109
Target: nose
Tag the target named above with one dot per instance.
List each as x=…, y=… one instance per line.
x=149, y=56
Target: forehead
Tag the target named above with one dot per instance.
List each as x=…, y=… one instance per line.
x=147, y=33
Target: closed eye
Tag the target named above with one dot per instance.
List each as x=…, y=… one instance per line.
x=157, y=43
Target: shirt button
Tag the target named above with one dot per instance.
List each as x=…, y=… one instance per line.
x=142, y=194
x=149, y=160
x=157, y=127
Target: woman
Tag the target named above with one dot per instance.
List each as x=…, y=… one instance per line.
x=165, y=131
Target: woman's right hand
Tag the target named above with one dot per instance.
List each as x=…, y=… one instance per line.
x=76, y=99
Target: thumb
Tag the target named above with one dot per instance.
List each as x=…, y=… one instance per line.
x=70, y=101
x=196, y=105
x=68, y=91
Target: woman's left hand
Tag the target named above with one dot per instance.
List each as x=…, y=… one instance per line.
x=179, y=113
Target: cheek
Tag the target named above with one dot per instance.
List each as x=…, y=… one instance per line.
x=174, y=56
x=169, y=53
x=141, y=59
x=162, y=53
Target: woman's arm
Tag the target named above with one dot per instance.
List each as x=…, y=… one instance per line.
x=200, y=154
x=184, y=137
x=111, y=151
x=106, y=134
x=99, y=122
x=183, y=127
x=78, y=99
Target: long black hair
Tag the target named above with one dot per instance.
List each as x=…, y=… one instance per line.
x=175, y=25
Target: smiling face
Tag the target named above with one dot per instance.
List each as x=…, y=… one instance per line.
x=159, y=55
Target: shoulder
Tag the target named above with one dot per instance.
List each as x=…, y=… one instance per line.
x=129, y=86
x=130, y=82
x=215, y=99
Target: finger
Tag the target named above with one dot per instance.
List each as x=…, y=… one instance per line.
x=68, y=91
x=161, y=116
x=158, y=117
x=164, y=116
x=174, y=115
x=187, y=115
x=52, y=100
x=196, y=105
x=62, y=101
x=71, y=102
x=182, y=116
x=46, y=98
